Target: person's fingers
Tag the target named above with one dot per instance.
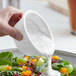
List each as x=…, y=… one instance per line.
x=14, y=19
x=14, y=15
x=9, y=17
x=11, y=10
x=12, y=32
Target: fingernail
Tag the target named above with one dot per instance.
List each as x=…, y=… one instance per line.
x=19, y=37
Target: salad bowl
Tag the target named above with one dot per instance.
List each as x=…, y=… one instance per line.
x=69, y=57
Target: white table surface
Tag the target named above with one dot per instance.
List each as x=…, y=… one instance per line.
x=58, y=23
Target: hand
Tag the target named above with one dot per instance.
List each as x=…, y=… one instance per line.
x=8, y=18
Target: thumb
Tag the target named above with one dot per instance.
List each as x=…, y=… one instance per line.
x=13, y=32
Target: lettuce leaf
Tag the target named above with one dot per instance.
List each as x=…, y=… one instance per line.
x=40, y=68
x=5, y=62
x=74, y=72
x=6, y=56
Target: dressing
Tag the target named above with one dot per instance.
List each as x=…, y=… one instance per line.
x=50, y=71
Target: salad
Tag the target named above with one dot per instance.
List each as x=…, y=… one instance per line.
x=32, y=65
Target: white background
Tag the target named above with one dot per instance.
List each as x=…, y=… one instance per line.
x=58, y=23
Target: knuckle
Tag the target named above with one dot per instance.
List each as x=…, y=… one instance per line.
x=10, y=31
x=9, y=7
x=14, y=32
